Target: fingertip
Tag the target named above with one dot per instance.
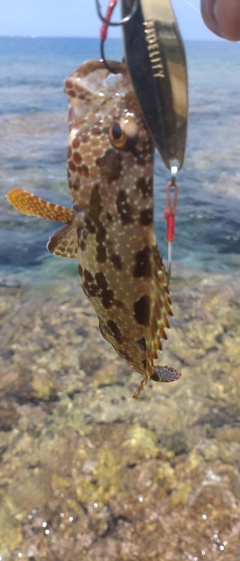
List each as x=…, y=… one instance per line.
x=222, y=18
x=227, y=16
x=209, y=18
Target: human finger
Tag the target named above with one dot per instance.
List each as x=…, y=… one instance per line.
x=223, y=18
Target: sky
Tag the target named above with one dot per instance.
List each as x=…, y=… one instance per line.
x=78, y=18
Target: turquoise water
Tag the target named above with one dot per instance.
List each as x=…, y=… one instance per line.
x=34, y=136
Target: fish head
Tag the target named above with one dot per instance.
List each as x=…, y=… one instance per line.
x=108, y=137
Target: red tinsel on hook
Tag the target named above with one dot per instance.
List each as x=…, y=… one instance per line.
x=170, y=211
x=104, y=28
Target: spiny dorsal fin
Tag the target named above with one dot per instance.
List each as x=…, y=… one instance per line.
x=159, y=310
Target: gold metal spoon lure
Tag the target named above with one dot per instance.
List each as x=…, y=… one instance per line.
x=156, y=62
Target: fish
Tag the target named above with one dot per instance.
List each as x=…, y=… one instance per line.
x=109, y=228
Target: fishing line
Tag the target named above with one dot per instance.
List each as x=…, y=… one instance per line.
x=192, y=6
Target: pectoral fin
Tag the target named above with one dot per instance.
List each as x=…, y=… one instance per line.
x=64, y=242
x=30, y=204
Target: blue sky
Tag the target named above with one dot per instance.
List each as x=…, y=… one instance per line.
x=78, y=18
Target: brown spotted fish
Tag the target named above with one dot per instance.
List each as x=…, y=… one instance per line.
x=110, y=226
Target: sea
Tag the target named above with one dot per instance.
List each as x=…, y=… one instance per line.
x=86, y=471
x=33, y=145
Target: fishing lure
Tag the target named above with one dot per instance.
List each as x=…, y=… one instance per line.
x=110, y=226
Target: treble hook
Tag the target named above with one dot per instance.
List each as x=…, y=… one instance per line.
x=121, y=21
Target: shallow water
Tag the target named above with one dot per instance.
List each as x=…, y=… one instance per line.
x=86, y=471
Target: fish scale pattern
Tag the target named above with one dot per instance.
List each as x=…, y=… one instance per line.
x=110, y=227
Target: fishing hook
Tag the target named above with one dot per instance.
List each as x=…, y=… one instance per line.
x=107, y=22
x=107, y=66
x=121, y=21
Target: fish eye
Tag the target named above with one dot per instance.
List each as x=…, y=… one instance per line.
x=116, y=130
x=123, y=133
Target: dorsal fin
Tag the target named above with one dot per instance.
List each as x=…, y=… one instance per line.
x=160, y=308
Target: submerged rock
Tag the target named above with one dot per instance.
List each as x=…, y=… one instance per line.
x=88, y=472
